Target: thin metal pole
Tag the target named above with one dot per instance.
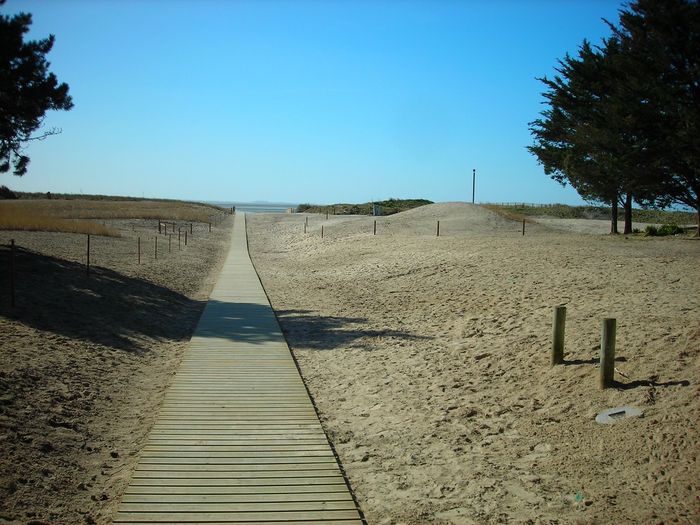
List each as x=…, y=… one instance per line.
x=473, y=183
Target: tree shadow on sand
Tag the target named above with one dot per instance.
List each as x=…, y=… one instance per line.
x=302, y=328
x=108, y=308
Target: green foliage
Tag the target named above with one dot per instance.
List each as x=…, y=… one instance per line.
x=664, y=230
x=27, y=90
x=388, y=207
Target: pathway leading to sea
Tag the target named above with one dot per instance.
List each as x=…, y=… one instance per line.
x=237, y=439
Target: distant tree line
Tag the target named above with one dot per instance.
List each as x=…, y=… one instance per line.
x=622, y=118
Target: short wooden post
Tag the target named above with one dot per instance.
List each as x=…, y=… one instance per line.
x=438, y=228
x=607, y=352
x=179, y=243
x=159, y=225
x=209, y=227
x=523, y=226
x=321, y=231
x=190, y=230
x=558, y=335
x=87, y=265
x=156, y=248
x=185, y=237
x=12, y=273
x=170, y=242
x=375, y=227
x=139, y=249
x=306, y=223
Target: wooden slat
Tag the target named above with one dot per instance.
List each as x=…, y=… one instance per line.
x=237, y=439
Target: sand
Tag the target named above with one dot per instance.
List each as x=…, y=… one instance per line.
x=428, y=360
x=84, y=362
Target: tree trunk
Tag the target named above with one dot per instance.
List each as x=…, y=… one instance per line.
x=613, y=216
x=628, y=213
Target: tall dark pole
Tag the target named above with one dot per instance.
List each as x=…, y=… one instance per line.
x=473, y=183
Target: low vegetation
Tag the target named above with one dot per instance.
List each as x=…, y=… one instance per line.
x=562, y=211
x=387, y=207
x=79, y=215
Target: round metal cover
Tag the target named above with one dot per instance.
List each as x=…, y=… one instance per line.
x=612, y=415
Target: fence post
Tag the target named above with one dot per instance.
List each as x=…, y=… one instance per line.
x=185, y=237
x=375, y=227
x=607, y=352
x=558, y=335
x=438, y=228
x=87, y=266
x=139, y=249
x=190, y=230
x=156, y=248
x=523, y=226
x=321, y=231
x=12, y=273
x=159, y=225
x=210, y=227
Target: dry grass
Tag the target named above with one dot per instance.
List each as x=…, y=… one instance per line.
x=507, y=213
x=72, y=215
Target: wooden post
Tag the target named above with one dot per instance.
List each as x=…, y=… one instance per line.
x=159, y=224
x=170, y=242
x=12, y=273
x=607, y=352
x=558, y=335
x=190, y=230
x=156, y=248
x=87, y=266
x=179, y=244
x=438, y=228
x=523, y=226
x=326, y=215
x=185, y=237
x=321, y=231
x=375, y=227
x=210, y=227
x=139, y=249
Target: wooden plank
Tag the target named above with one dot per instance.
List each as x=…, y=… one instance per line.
x=356, y=521
x=175, y=480
x=256, y=506
x=236, y=498
x=237, y=465
x=234, y=517
x=247, y=491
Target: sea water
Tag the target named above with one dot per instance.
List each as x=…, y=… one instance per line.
x=257, y=207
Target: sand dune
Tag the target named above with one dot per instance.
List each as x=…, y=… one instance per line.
x=428, y=359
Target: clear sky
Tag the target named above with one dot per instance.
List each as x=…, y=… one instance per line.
x=294, y=101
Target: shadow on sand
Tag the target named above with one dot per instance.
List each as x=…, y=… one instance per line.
x=107, y=308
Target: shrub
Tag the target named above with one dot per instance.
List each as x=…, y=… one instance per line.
x=670, y=229
x=7, y=193
x=651, y=231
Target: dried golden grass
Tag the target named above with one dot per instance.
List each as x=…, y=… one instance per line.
x=507, y=213
x=70, y=215
x=20, y=219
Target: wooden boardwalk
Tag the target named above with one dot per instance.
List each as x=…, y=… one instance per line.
x=237, y=439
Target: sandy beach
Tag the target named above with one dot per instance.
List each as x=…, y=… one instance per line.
x=428, y=360
x=84, y=362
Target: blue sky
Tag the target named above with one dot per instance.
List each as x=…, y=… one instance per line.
x=320, y=101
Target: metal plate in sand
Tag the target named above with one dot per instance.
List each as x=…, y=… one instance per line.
x=613, y=415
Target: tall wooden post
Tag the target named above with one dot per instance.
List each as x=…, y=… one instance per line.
x=607, y=352
x=87, y=265
x=12, y=273
x=558, y=335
